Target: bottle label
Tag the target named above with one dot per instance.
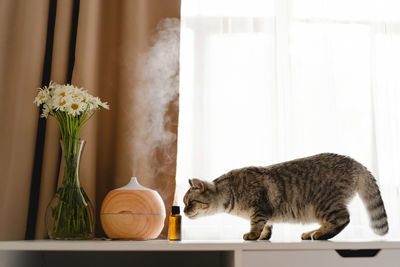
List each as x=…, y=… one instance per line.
x=175, y=228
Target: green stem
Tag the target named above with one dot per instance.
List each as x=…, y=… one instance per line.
x=72, y=214
x=86, y=120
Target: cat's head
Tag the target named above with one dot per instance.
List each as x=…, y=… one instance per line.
x=200, y=199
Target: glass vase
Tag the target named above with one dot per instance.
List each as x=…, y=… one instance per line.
x=70, y=214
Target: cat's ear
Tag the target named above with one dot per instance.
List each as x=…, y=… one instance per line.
x=197, y=184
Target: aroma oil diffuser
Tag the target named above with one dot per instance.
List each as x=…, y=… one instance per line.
x=132, y=212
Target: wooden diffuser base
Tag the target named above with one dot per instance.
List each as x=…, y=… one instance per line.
x=132, y=212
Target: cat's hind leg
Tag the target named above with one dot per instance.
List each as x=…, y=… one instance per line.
x=266, y=233
x=335, y=221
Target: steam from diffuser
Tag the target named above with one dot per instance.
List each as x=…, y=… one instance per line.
x=157, y=89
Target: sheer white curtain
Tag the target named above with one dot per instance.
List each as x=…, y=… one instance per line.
x=268, y=81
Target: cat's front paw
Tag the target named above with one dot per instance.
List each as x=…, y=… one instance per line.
x=266, y=235
x=250, y=236
x=307, y=236
x=313, y=235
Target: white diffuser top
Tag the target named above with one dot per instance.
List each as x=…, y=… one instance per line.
x=134, y=185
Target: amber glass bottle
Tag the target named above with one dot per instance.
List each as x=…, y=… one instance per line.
x=175, y=224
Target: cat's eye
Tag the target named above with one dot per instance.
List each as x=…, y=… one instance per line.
x=201, y=204
x=197, y=201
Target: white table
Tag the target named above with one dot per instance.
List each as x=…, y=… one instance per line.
x=199, y=253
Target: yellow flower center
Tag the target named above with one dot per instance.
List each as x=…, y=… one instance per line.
x=75, y=106
x=41, y=97
x=62, y=103
x=62, y=94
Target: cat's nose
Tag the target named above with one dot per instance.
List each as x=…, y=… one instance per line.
x=185, y=210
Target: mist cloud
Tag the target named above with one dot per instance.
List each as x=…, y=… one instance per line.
x=157, y=89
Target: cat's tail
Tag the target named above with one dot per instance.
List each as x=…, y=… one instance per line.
x=371, y=196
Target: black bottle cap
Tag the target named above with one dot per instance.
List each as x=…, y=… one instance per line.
x=175, y=210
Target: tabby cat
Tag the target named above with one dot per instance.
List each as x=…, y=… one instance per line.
x=312, y=189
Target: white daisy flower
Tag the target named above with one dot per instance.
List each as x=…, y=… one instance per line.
x=51, y=103
x=104, y=105
x=95, y=103
x=61, y=103
x=85, y=98
x=60, y=91
x=45, y=112
x=75, y=108
x=42, y=96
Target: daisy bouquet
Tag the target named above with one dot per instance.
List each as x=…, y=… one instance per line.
x=70, y=214
x=71, y=106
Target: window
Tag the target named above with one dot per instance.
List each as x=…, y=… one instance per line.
x=267, y=81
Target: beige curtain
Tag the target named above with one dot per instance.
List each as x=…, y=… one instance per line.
x=113, y=42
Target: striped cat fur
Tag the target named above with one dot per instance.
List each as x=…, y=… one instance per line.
x=305, y=190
